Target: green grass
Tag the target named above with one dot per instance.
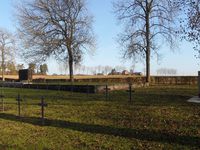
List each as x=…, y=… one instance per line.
x=158, y=118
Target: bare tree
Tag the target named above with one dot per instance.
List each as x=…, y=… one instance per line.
x=107, y=69
x=10, y=68
x=32, y=67
x=120, y=68
x=190, y=22
x=63, y=67
x=146, y=22
x=62, y=28
x=77, y=68
x=44, y=69
x=83, y=69
x=7, y=47
x=20, y=67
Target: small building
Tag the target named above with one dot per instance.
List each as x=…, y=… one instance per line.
x=125, y=72
x=100, y=74
x=114, y=72
x=137, y=73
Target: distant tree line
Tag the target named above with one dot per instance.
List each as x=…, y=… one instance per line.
x=96, y=70
x=11, y=68
x=166, y=71
x=41, y=69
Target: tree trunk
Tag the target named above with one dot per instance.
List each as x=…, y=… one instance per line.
x=71, y=74
x=148, y=46
x=3, y=78
x=148, y=66
x=2, y=65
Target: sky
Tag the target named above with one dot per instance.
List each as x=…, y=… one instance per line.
x=106, y=29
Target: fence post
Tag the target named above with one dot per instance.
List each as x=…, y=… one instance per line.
x=2, y=96
x=2, y=101
x=19, y=104
x=42, y=104
x=130, y=91
x=106, y=91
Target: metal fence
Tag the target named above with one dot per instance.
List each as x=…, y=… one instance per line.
x=17, y=99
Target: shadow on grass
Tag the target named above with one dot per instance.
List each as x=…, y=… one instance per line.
x=161, y=100
x=4, y=147
x=146, y=99
x=140, y=134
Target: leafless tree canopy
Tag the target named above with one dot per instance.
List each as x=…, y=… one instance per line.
x=146, y=22
x=61, y=28
x=190, y=22
x=7, y=48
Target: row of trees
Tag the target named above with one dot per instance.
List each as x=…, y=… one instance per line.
x=7, y=53
x=41, y=69
x=82, y=69
x=63, y=29
x=11, y=68
x=166, y=71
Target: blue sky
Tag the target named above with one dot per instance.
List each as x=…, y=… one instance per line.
x=106, y=29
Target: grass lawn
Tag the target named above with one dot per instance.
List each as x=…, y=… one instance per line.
x=158, y=118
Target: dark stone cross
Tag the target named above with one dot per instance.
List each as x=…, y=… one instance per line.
x=130, y=91
x=107, y=90
x=42, y=104
x=19, y=104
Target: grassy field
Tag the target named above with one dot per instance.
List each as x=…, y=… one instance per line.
x=158, y=118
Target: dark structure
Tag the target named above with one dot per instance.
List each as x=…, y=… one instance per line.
x=25, y=75
x=72, y=88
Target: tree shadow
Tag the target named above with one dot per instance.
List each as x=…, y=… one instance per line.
x=140, y=134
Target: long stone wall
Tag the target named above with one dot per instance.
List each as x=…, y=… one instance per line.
x=113, y=83
x=175, y=80
x=189, y=80
x=138, y=80
x=170, y=80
